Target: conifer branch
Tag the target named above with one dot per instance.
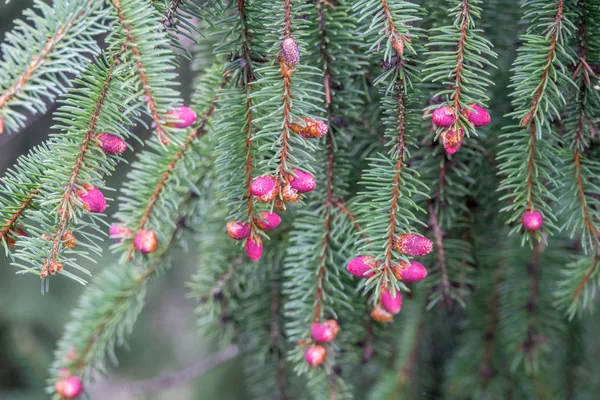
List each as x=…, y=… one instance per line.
x=584, y=281
x=532, y=336
x=342, y=207
x=439, y=246
x=9, y=225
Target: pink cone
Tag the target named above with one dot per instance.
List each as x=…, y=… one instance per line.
x=268, y=220
x=359, y=266
x=414, y=272
x=444, y=116
x=118, y=232
x=290, y=52
x=184, y=115
x=315, y=355
x=452, y=140
x=111, y=144
x=263, y=185
x=479, y=116
x=145, y=241
x=254, y=249
x=393, y=305
x=325, y=332
x=532, y=220
x=69, y=388
x=303, y=181
x=238, y=230
x=93, y=200
x=413, y=245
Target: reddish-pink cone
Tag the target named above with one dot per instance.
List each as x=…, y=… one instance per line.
x=111, y=144
x=145, y=241
x=69, y=388
x=93, y=200
x=268, y=220
x=452, y=140
x=290, y=52
x=359, y=267
x=413, y=245
x=265, y=188
x=237, y=230
x=312, y=129
x=532, y=220
x=409, y=272
x=325, y=332
x=479, y=116
x=118, y=232
x=302, y=181
x=315, y=355
x=444, y=116
x=392, y=304
x=254, y=248
x=184, y=115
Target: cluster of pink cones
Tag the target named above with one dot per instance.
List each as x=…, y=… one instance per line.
x=254, y=246
x=446, y=117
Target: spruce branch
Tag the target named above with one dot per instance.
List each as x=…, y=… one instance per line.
x=36, y=57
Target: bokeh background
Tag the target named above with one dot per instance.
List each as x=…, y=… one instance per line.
x=165, y=339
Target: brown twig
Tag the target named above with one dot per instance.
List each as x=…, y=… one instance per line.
x=162, y=135
x=460, y=55
x=581, y=286
x=17, y=214
x=533, y=269
x=340, y=204
x=391, y=30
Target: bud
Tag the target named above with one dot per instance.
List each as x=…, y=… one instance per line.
x=325, y=332
x=360, y=266
x=444, y=116
x=409, y=272
x=68, y=240
x=184, y=115
x=268, y=220
x=118, y=232
x=264, y=188
x=54, y=267
x=254, y=248
x=290, y=52
x=392, y=304
x=479, y=116
x=452, y=140
x=111, y=144
x=315, y=355
x=312, y=129
x=69, y=388
x=380, y=315
x=10, y=242
x=532, y=220
x=413, y=245
x=93, y=200
x=238, y=230
x=289, y=194
x=302, y=181
x=145, y=241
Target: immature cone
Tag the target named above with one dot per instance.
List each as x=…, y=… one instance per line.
x=413, y=245
x=360, y=266
x=312, y=129
x=10, y=242
x=479, y=116
x=325, y=332
x=254, y=248
x=290, y=54
x=93, y=200
x=145, y=241
x=118, y=232
x=238, y=230
x=392, y=304
x=55, y=267
x=268, y=220
x=69, y=388
x=532, y=220
x=444, y=116
x=409, y=272
x=315, y=355
x=452, y=140
x=111, y=144
x=69, y=240
x=185, y=115
x=302, y=181
x=381, y=315
x=289, y=194
x=264, y=188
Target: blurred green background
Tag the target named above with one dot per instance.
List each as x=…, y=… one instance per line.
x=165, y=339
